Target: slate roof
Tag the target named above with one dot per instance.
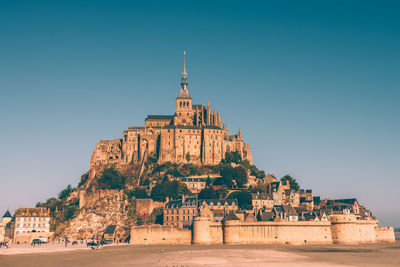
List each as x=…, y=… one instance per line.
x=212, y=127
x=159, y=117
x=231, y=217
x=289, y=210
x=175, y=204
x=265, y=216
x=7, y=214
x=350, y=201
x=110, y=229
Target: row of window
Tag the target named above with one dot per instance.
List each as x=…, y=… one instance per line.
x=177, y=211
x=32, y=219
x=33, y=225
x=184, y=218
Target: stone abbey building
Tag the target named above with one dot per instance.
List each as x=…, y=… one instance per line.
x=193, y=134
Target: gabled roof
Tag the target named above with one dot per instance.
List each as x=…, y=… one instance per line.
x=231, y=217
x=265, y=216
x=289, y=210
x=7, y=214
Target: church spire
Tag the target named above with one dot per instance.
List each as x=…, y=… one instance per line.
x=184, y=92
x=184, y=74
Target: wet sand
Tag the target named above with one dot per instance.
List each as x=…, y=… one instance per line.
x=216, y=255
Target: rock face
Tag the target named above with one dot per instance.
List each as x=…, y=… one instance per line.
x=92, y=220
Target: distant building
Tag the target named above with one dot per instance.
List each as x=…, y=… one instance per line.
x=180, y=212
x=262, y=201
x=5, y=222
x=225, y=205
x=194, y=133
x=31, y=220
x=285, y=213
x=194, y=184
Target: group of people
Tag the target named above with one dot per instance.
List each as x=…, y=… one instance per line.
x=4, y=244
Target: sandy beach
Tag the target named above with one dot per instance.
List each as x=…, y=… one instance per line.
x=212, y=255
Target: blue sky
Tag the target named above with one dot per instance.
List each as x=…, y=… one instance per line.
x=314, y=86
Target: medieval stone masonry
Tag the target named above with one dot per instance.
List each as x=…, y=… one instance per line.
x=193, y=134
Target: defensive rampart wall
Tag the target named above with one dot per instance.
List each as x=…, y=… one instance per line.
x=346, y=229
x=160, y=234
x=341, y=229
x=384, y=234
x=237, y=232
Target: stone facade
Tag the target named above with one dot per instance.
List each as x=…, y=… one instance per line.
x=193, y=134
x=31, y=223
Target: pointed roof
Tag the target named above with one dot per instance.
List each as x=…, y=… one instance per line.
x=231, y=217
x=184, y=92
x=7, y=214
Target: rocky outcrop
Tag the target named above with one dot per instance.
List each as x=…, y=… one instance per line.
x=91, y=221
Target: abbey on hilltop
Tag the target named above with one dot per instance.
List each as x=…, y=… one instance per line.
x=194, y=134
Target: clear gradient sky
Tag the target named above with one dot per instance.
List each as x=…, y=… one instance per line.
x=314, y=86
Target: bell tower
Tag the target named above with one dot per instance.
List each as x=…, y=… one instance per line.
x=184, y=110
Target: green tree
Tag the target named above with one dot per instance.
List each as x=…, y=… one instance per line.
x=65, y=193
x=188, y=157
x=240, y=176
x=222, y=193
x=168, y=189
x=293, y=183
x=209, y=181
x=111, y=179
x=208, y=193
x=259, y=188
x=84, y=178
x=244, y=198
x=137, y=193
x=228, y=174
x=233, y=157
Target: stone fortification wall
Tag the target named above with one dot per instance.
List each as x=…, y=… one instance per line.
x=26, y=238
x=146, y=205
x=384, y=234
x=237, y=232
x=342, y=229
x=206, y=232
x=88, y=199
x=160, y=234
x=346, y=229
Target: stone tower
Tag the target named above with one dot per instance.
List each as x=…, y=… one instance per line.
x=184, y=110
